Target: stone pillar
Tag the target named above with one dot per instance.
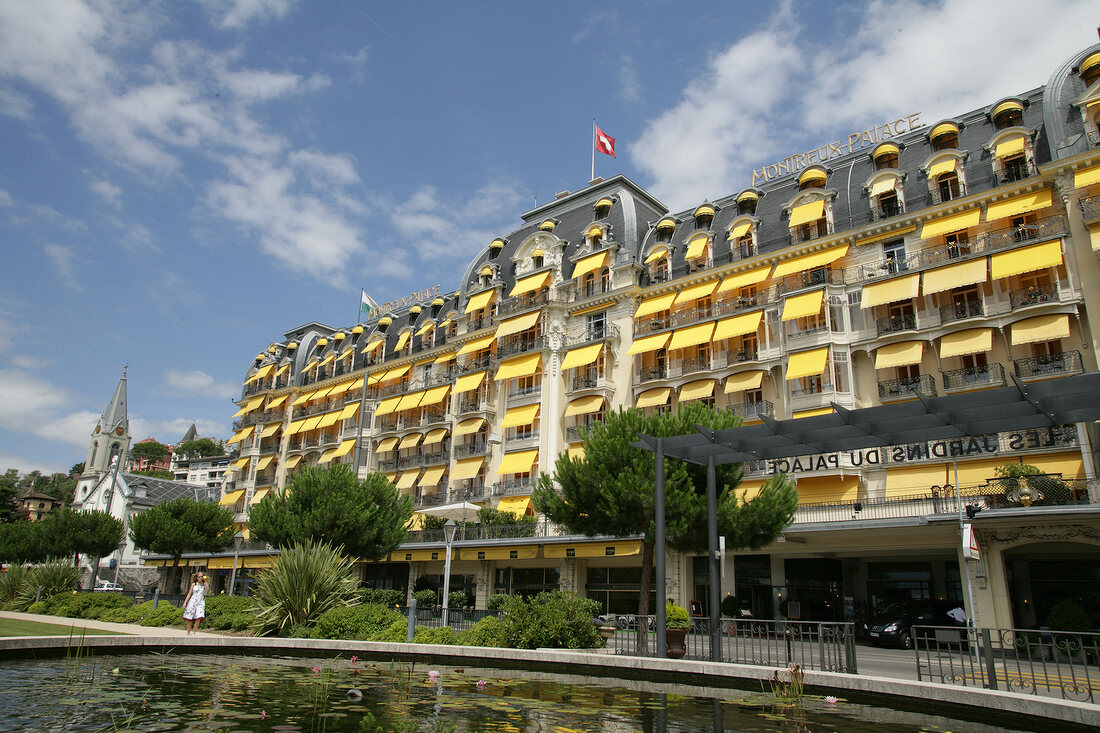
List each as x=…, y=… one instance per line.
x=485, y=572
x=676, y=568
x=570, y=575
x=416, y=569
x=994, y=595
x=779, y=579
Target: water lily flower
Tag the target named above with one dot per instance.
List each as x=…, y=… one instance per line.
x=354, y=659
x=830, y=700
x=316, y=670
x=263, y=714
x=481, y=684
x=433, y=675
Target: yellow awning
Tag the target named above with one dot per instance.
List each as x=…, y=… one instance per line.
x=480, y=300
x=827, y=489
x=295, y=427
x=432, y=475
x=327, y=456
x=311, y=423
x=530, y=283
x=348, y=411
x=385, y=445
x=1015, y=146
x=394, y=373
x=435, y=436
x=807, y=363
x=694, y=292
x=523, y=366
x=264, y=462
x=386, y=406
x=692, y=336
x=282, y=370
x=704, y=210
x=312, y=363
x=401, y=341
x=328, y=419
x=242, y=462
x=469, y=382
x=583, y=356
x=408, y=479
x=970, y=341
x=276, y=401
x=890, y=291
x=259, y=495
x=500, y=553
x=518, y=462
x=590, y=263
x=1006, y=107
x=517, y=324
x=806, y=213
x=372, y=345
x=740, y=229
x=391, y=476
x=594, y=549
x=885, y=149
x=515, y=505
x=656, y=254
x=744, y=380
x=803, y=306
x=517, y=416
x=260, y=374
x=476, y=345
x=942, y=129
x=469, y=425
x=737, y=326
x=810, y=262
x=881, y=186
x=1041, y=328
x=576, y=451
x=954, y=276
x=467, y=468
x=410, y=441
x=251, y=405
x=899, y=354
x=1027, y=259
x=944, y=166
x=444, y=358
x=292, y=462
x=270, y=429
x=655, y=305
x=584, y=405
x=697, y=247
x=812, y=413
x=344, y=448
x=410, y=401
x=666, y=223
x=425, y=328
x=697, y=390
x=1018, y=205
x=320, y=394
x=327, y=360
x=241, y=435
x=744, y=279
x=231, y=497
x=1086, y=176
x=653, y=397
x=952, y=223
x=435, y=395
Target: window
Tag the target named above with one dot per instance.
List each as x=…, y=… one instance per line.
x=965, y=303
x=947, y=140
x=603, y=208
x=1015, y=168
x=704, y=215
x=812, y=178
x=1047, y=348
x=909, y=373
x=537, y=261
x=596, y=328
x=855, y=312
x=836, y=314
x=894, y=254
x=974, y=362
x=886, y=160
x=660, y=270
x=754, y=396
x=746, y=348
x=746, y=205
x=1023, y=228
x=665, y=228
x=958, y=244
x=841, y=382
x=948, y=186
x=888, y=204
x=1012, y=116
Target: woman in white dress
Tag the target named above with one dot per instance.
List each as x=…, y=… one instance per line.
x=194, y=605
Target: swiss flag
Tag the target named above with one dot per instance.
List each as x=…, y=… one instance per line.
x=604, y=143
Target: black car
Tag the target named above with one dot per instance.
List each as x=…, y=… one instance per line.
x=894, y=626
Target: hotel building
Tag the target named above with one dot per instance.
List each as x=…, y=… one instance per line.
x=933, y=256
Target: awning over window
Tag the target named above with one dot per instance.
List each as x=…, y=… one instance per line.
x=467, y=467
x=900, y=354
x=697, y=390
x=529, y=284
x=692, y=336
x=744, y=380
x=810, y=262
x=1009, y=106
x=656, y=254
x=408, y=479
x=655, y=305
x=328, y=419
x=471, y=347
x=410, y=441
x=435, y=395
x=576, y=451
x=385, y=445
x=517, y=324
x=523, y=366
x=435, y=436
x=372, y=346
x=295, y=427
x=410, y=401
x=1018, y=205
x=740, y=229
x=282, y=370
x=468, y=382
x=292, y=462
x=348, y=411
x=697, y=247
x=319, y=394
x=827, y=489
x=260, y=374
x=694, y=292
x=515, y=505
x=241, y=435
x=946, y=165
x=803, y=306
x=270, y=429
x=339, y=389
x=953, y=223
x=480, y=300
x=311, y=423
x=744, y=279
x=386, y=406
x=594, y=549
x=394, y=374
x=812, y=174
x=518, y=462
x=806, y=213
x=737, y=326
x=277, y=401
x=890, y=291
x=962, y=343
x=444, y=358
x=264, y=462
x=882, y=185
x=259, y=496
x=649, y=343
x=654, y=397
x=943, y=128
x=344, y=448
x=237, y=465
x=1026, y=259
x=231, y=497
x=954, y=276
x=590, y=264
x=583, y=356
x=1042, y=328
x=469, y=425
x=432, y=475
x=584, y=405
x=807, y=363
x=251, y=405
x=402, y=340
x=517, y=416
x=1015, y=146
x=1086, y=176
x=425, y=328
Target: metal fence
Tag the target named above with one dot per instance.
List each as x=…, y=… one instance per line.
x=457, y=618
x=1027, y=661
x=823, y=646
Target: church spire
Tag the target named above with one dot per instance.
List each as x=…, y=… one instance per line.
x=115, y=415
x=111, y=436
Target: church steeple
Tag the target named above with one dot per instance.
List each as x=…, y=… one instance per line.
x=111, y=436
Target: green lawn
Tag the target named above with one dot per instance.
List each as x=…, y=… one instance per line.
x=16, y=627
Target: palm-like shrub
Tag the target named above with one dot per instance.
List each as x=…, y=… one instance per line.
x=11, y=582
x=306, y=580
x=54, y=577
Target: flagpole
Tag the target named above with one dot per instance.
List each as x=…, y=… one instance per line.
x=593, y=176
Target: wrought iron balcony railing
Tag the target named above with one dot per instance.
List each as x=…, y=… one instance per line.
x=1034, y=295
x=645, y=375
x=896, y=389
x=887, y=210
x=961, y=311
x=476, y=448
x=894, y=324
x=594, y=334
x=1014, y=171
x=974, y=377
x=521, y=345
x=1051, y=365
x=752, y=410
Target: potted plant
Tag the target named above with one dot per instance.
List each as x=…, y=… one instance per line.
x=1068, y=617
x=677, y=623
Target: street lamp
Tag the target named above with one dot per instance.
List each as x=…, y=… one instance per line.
x=449, y=535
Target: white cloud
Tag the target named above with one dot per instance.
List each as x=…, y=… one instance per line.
x=62, y=259
x=236, y=14
x=199, y=383
x=26, y=465
x=15, y=104
x=761, y=98
x=171, y=430
x=108, y=191
x=22, y=361
x=630, y=88
x=5, y=198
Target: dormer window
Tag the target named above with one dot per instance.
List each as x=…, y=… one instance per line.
x=746, y=203
x=1090, y=69
x=595, y=236
x=486, y=275
x=665, y=228
x=548, y=225
x=704, y=215
x=944, y=136
x=1007, y=114
x=741, y=239
x=603, y=208
x=812, y=178
x=495, y=247
x=538, y=257
x=886, y=156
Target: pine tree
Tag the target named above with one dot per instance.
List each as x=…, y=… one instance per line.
x=183, y=525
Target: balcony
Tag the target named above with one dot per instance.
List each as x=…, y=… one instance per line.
x=693, y=364
x=809, y=232
x=592, y=289
x=1094, y=139
x=587, y=381
x=887, y=210
x=476, y=324
x=593, y=334
x=946, y=192
x=990, y=375
x=479, y=404
x=1090, y=208
x=810, y=279
x=311, y=442
x=1034, y=295
x=901, y=389
x=1052, y=365
x=473, y=364
x=476, y=448
x=1013, y=171
x=471, y=490
x=646, y=326
x=524, y=390
x=525, y=302
x=575, y=433
x=435, y=499
x=514, y=346
x=961, y=311
x=514, y=487
x=651, y=373
x=388, y=464
x=896, y=324
x=749, y=411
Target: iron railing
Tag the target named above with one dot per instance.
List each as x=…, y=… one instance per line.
x=476, y=448
x=521, y=345
x=896, y=323
x=1051, y=365
x=894, y=389
x=752, y=410
x=887, y=210
x=981, y=376
x=961, y=310
x=593, y=334
x=1016, y=170
x=1034, y=295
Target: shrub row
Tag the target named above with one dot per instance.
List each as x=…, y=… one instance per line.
x=222, y=612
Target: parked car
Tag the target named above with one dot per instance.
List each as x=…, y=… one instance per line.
x=106, y=586
x=894, y=626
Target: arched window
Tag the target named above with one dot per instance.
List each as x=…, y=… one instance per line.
x=886, y=156
x=746, y=203
x=704, y=215
x=603, y=208
x=944, y=136
x=665, y=227
x=1009, y=113
x=594, y=235
x=1090, y=69
x=812, y=178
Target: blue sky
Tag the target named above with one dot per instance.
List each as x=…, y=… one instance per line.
x=181, y=182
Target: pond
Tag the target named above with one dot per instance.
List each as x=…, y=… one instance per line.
x=187, y=692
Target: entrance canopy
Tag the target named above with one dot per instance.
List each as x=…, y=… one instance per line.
x=1022, y=406
x=461, y=512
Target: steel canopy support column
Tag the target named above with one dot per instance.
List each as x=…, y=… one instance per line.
x=715, y=570
x=659, y=548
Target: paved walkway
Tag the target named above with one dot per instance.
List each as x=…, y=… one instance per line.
x=83, y=623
